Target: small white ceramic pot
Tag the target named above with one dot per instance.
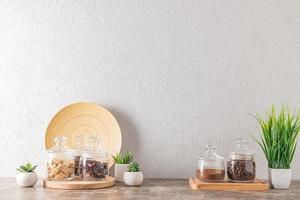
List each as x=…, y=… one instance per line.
x=133, y=178
x=26, y=179
x=120, y=169
x=280, y=178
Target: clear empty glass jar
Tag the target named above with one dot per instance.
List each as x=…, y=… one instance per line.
x=210, y=166
x=241, y=166
x=60, y=164
x=94, y=161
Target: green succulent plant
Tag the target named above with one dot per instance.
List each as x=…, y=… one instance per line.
x=279, y=136
x=28, y=167
x=125, y=158
x=133, y=167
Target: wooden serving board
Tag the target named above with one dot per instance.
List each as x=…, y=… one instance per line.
x=257, y=185
x=80, y=185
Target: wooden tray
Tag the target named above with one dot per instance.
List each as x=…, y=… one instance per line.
x=80, y=185
x=257, y=185
x=86, y=119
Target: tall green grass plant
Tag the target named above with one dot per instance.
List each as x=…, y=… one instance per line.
x=279, y=136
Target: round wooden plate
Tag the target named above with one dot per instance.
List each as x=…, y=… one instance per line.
x=86, y=119
x=80, y=185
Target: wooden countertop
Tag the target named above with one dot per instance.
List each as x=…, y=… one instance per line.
x=166, y=189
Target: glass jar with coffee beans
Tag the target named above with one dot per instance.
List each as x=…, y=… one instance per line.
x=94, y=161
x=241, y=166
x=210, y=166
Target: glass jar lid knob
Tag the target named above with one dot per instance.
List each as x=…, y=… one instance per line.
x=210, y=153
x=242, y=152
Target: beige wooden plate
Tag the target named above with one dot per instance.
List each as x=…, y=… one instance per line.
x=86, y=119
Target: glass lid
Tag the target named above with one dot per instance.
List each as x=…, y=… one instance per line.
x=79, y=142
x=79, y=145
x=242, y=151
x=210, y=154
x=60, y=150
x=60, y=145
x=95, y=148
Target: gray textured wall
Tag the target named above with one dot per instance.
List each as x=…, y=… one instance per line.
x=176, y=74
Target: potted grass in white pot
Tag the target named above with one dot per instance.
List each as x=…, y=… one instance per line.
x=121, y=164
x=278, y=140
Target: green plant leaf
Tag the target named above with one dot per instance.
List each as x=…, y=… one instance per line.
x=20, y=170
x=133, y=167
x=117, y=158
x=125, y=158
x=28, y=167
x=32, y=168
x=23, y=168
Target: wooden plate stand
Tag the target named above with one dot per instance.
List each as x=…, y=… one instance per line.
x=80, y=185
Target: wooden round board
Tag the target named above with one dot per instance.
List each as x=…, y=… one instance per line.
x=86, y=119
x=80, y=185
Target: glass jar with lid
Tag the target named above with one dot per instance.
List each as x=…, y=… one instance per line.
x=79, y=148
x=94, y=161
x=210, y=166
x=241, y=166
x=60, y=164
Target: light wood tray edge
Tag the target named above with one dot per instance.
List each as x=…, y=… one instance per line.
x=258, y=185
x=79, y=185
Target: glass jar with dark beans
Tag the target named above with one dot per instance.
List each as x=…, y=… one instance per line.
x=79, y=147
x=241, y=170
x=95, y=169
x=94, y=161
x=241, y=166
x=77, y=169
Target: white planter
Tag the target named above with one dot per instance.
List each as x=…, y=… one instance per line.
x=26, y=179
x=120, y=169
x=280, y=178
x=133, y=178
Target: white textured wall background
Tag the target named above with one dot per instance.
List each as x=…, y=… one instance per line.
x=176, y=74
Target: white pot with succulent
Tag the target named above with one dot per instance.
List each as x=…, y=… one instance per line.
x=121, y=164
x=133, y=176
x=26, y=176
x=279, y=136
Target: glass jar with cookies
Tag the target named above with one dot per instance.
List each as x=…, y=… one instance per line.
x=60, y=164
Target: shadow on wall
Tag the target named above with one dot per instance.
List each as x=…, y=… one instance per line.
x=128, y=130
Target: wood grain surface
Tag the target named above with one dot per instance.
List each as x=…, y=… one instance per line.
x=80, y=185
x=257, y=185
